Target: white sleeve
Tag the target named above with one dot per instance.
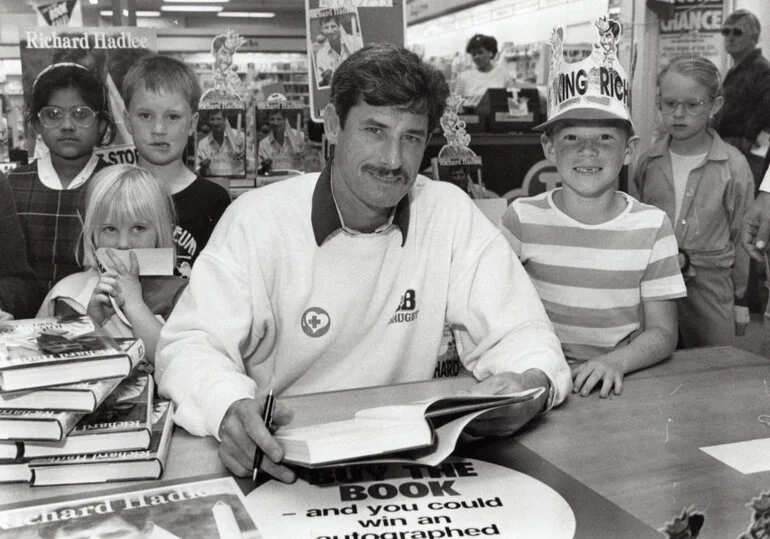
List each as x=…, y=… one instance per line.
x=199, y=360
x=506, y=328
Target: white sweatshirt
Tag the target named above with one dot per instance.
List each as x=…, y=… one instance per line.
x=267, y=306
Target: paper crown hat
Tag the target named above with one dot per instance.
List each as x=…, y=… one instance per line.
x=595, y=88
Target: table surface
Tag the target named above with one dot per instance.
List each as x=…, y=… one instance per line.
x=637, y=453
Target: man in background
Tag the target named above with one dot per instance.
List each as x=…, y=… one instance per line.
x=746, y=87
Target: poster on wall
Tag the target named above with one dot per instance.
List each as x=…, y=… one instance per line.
x=338, y=28
x=108, y=51
x=694, y=29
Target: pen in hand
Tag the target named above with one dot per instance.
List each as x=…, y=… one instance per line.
x=267, y=414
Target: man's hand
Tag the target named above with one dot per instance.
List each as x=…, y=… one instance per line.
x=756, y=226
x=506, y=420
x=586, y=376
x=242, y=429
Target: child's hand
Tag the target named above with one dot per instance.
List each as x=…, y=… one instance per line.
x=99, y=306
x=128, y=288
x=585, y=376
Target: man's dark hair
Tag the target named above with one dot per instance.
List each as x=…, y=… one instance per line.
x=386, y=75
x=480, y=41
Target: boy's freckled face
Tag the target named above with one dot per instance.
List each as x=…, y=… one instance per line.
x=160, y=123
x=588, y=157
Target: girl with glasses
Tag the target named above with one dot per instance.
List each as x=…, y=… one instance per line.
x=705, y=186
x=68, y=108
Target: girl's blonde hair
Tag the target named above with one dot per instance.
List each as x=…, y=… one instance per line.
x=127, y=190
x=702, y=70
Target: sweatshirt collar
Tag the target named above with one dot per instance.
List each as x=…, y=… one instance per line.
x=325, y=216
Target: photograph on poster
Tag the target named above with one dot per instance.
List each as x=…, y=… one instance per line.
x=109, y=52
x=281, y=140
x=221, y=140
x=464, y=172
x=334, y=34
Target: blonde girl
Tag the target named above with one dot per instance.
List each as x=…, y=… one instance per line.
x=126, y=208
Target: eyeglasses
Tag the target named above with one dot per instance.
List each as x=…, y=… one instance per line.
x=81, y=116
x=691, y=107
x=737, y=32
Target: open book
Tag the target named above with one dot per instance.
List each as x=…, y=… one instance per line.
x=423, y=432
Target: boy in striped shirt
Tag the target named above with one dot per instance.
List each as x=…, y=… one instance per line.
x=604, y=264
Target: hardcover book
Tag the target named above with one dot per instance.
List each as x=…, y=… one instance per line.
x=43, y=352
x=423, y=432
x=78, y=397
x=123, y=422
x=37, y=424
x=204, y=508
x=112, y=465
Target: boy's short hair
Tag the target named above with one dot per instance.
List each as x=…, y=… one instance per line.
x=553, y=128
x=158, y=73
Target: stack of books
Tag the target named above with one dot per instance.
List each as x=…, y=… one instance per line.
x=77, y=406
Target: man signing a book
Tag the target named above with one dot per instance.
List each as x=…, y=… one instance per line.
x=346, y=278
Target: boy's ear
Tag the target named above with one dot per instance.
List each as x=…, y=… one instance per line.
x=548, y=150
x=631, y=146
x=193, y=124
x=331, y=123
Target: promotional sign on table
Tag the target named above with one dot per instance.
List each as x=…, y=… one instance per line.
x=404, y=500
x=220, y=147
x=335, y=30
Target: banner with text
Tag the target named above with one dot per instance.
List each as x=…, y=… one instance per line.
x=458, y=498
x=693, y=30
x=109, y=52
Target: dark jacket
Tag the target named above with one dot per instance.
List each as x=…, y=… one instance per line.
x=19, y=292
x=747, y=98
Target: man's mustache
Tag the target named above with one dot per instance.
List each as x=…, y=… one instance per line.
x=398, y=173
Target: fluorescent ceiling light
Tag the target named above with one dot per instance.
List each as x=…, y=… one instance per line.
x=108, y=13
x=247, y=14
x=209, y=9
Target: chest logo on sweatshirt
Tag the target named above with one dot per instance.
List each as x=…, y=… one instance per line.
x=407, y=310
x=315, y=322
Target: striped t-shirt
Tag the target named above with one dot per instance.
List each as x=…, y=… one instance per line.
x=593, y=278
